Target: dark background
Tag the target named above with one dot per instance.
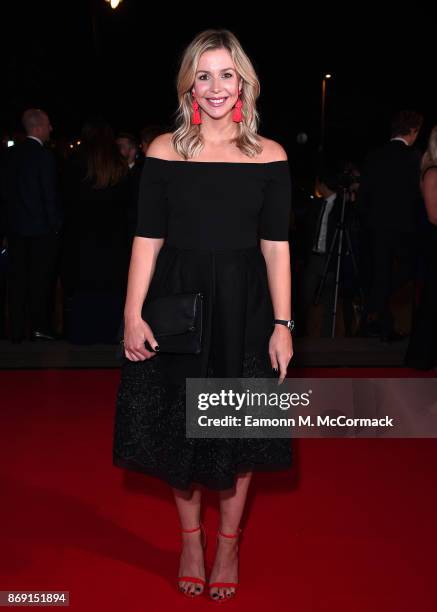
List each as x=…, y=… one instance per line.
x=76, y=59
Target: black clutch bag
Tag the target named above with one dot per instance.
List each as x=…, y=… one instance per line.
x=176, y=322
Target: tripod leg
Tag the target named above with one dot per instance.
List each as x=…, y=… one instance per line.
x=337, y=281
x=354, y=262
x=326, y=268
x=359, y=311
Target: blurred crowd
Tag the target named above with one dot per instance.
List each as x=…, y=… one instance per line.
x=68, y=218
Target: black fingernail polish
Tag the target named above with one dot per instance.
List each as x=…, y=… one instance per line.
x=156, y=348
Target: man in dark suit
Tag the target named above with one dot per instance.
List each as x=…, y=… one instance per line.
x=388, y=203
x=130, y=150
x=34, y=220
x=321, y=219
x=3, y=243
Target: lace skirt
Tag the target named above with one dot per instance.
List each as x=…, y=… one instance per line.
x=149, y=423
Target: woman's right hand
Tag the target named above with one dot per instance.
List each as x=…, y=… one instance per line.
x=136, y=332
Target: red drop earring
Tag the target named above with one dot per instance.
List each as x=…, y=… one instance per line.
x=196, y=119
x=237, y=116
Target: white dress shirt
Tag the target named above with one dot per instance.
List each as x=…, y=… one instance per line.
x=37, y=140
x=401, y=139
x=321, y=245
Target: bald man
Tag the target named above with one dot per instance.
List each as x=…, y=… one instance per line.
x=34, y=220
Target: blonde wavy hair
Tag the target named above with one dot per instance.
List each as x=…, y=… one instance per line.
x=429, y=158
x=187, y=139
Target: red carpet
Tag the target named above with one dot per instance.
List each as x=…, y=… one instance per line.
x=352, y=527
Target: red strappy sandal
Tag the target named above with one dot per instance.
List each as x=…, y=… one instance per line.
x=194, y=579
x=224, y=584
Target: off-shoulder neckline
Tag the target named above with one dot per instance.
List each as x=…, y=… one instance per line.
x=186, y=161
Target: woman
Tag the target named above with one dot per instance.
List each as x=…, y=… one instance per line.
x=96, y=249
x=207, y=190
x=422, y=349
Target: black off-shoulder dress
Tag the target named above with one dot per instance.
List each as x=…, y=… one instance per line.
x=211, y=215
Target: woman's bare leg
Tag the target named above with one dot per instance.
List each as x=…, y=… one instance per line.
x=192, y=562
x=225, y=568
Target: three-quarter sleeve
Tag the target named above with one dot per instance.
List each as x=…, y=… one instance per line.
x=276, y=209
x=152, y=200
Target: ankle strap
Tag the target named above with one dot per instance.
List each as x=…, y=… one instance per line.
x=192, y=530
x=229, y=535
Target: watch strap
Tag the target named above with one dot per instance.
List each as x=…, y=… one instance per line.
x=287, y=322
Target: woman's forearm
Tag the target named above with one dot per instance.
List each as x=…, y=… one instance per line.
x=141, y=268
x=277, y=257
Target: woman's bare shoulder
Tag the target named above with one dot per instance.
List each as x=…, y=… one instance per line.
x=272, y=150
x=162, y=147
x=429, y=182
x=430, y=174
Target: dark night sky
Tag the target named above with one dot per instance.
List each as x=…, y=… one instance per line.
x=50, y=60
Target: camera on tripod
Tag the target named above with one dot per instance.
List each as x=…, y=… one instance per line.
x=344, y=180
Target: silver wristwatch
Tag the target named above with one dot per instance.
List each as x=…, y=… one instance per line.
x=287, y=323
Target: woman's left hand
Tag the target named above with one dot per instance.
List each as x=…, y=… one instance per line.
x=281, y=350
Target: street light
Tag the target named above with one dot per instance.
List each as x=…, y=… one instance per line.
x=322, y=118
x=114, y=3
